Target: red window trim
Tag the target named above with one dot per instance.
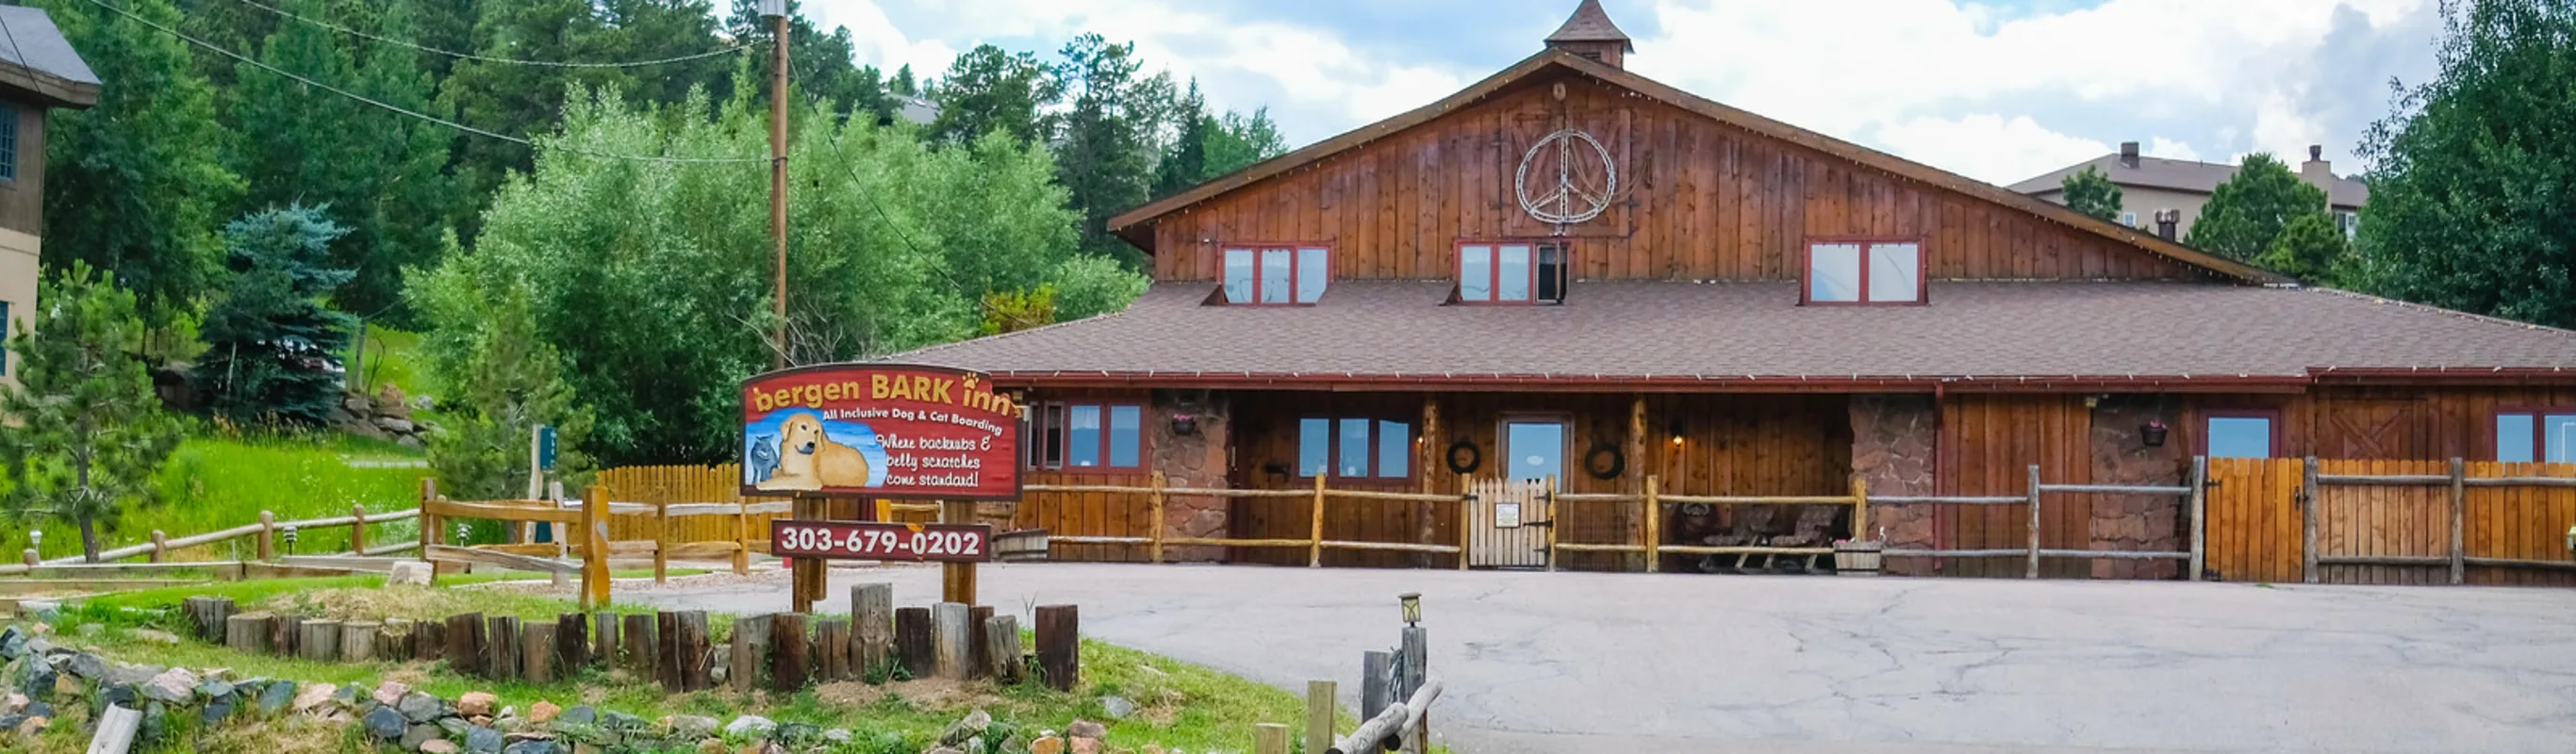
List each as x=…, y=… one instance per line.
x=1036, y=455
x=1494, y=269
x=1807, y=269
x=1333, y=448
x=1296, y=265
x=2539, y=432
x=2200, y=427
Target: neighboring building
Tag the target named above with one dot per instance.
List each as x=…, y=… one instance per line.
x=2177, y=188
x=1571, y=271
x=38, y=71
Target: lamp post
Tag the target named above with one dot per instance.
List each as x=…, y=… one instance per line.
x=1412, y=603
x=290, y=539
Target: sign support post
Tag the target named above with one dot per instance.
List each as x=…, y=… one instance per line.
x=957, y=580
x=808, y=576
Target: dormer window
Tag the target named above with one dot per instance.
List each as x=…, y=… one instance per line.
x=1276, y=275
x=1863, y=272
x=1511, y=272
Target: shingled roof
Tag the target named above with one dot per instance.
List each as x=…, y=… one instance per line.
x=2178, y=175
x=1396, y=334
x=38, y=60
x=1591, y=24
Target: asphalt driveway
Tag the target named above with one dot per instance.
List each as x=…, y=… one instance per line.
x=1580, y=662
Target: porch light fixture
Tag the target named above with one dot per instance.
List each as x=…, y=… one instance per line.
x=289, y=530
x=1412, y=602
x=1677, y=434
x=1185, y=424
x=2152, y=433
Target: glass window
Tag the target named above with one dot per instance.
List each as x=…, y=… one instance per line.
x=1512, y=274
x=1276, y=281
x=1535, y=450
x=1475, y=273
x=2514, y=436
x=1054, y=431
x=8, y=140
x=1314, y=446
x=1354, y=456
x=2129, y=219
x=2240, y=437
x=1551, y=272
x=1894, y=268
x=1833, y=272
x=1238, y=275
x=1126, y=435
x=1314, y=271
x=2558, y=438
x=1082, y=436
x=1394, y=449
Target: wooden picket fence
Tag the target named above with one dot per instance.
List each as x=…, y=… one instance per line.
x=2374, y=521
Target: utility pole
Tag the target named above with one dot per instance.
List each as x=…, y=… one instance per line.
x=776, y=12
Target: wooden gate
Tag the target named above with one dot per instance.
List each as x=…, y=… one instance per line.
x=1509, y=526
x=2254, y=520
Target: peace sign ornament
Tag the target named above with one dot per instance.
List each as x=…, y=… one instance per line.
x=1564, y=197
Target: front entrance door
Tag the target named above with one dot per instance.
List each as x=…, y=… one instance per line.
x=1510, y=511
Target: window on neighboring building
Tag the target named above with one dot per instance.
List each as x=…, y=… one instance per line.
x=1354, y=448
x=2536, y=435
x=1276, y=275
x=1864, y=272
x=2241, y=434
x=1512, y=272
x=1086, y=436
x=8, y=141
x=2129, y=219
x=2350, y=222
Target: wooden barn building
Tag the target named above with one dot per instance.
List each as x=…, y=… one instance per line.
x=1569, y=271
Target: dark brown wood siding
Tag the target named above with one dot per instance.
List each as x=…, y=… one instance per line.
x=1698, y=200
x=22, y=199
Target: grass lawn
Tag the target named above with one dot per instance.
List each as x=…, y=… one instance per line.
x=1179, y=706
x=213, y=484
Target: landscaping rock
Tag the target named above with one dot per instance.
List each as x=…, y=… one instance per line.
x=275, y=698
x=390, y=693
x=175, y=686
x=11, y=703
x=132, y=675
x=13, y=643
x=439, y=746
x=40, y=682
x=67, y=686
x=10, y=722
x=750, y=726
x=40, y=647
x=1047, y=745
x=543, y=711
x=799, y=733
x=1086, y=729
x=34, y=726
x=88, y=666
x=455, y=726
x=475, y=703
x=91, y=630
x=692, y=726
x=712, y=746
x=482, y=740
x=621, y=721
x=154, y=635
x=384, y=723
x=215, y=711
x=580, y=714
x=347, y=696
x=126, y=696
x=1085, y=745
x=534, y=746
x=38, y=709
x=414, y=736
x=214, y=688
x=837, y=736
x=972, y=725
x=419, y=707
x=314, y=696
x=408, y=573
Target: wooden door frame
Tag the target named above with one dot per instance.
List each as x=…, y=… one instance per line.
x=1503, y=438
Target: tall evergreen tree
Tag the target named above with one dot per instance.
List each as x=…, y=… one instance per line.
x=511, y=382
x=86, y=430
x=1104, y=155
x=2091, y=193
x=2245, y=213
x=2474, y=172
x=820, y=63
x=989, y=90
x=147, y=160
x=271, y=342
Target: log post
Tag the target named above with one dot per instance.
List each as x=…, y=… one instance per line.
x=662, y=542
x=358, y=530
x=643, y=649
x=750, y=642
x=693, y=650
x=501, y=646
x=791, y=664
x=286, y=634
x=871, y=626
x=2030, y=569
x=247, y=633
x=572, y=641
x=1269, y=738
x=1059, y=634
x=1466, y=517
x=430, y=524
x=207, y=615
x=1633, y=477
x=537, y=652
x=267, y=538
x=465, y=644
x=913, y=641
x=956, y=649
x=1555, y=513
x=957, y=582
x=2459, y=517
x=2199, y=517
x=1321, y=706
x=603, y=645
x=2308, y=503
x=1314, y=537
x=831, y=649
x=160, y=546
x=429, y=641
x=1377, y=673
x=1154, y=500
x=979, y=651
x=1003, y=633
x=594, y=545
x=1654, y=530
x=318, y=640
x=1860, y=508
x=666, y=655
x=806, y=576
x=358, y=640
x=394, y=642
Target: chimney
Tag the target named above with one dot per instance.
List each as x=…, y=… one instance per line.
x=2317, y=170
x=1590, y=34
x=2166, y=221
x=2129, y=154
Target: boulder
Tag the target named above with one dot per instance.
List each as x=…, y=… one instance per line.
x=476, y=703
x=390, y=401
x=215, y=711
x=11, y=703
x=132, y=675
x=414, y=737
x=439, y=746
x=40, y=682
x=156, y=721
x=482, y=740
x=408, y=573
x=690, y=726
x=396, y=426
x=276, y=697
x=579, y=714
x=10, y=722
x=34, y=726
x=969, y=727
x=386, y=724
x=68, y=686
x=455, y=726
x=750, y=726
x=1085, y=745
x=543, y=711
x=1117, y=706
x=534, y=746
x=389, y=692
x=314, y=696
x=1047, y=745
x=87, y=665
x=616, y=720
x=175, y=686
x=13, y=643
x=155, y=636
x=419, y=707
x=214, y=688
x=712, y=746
x=800, y=733
x=38, y=709
x=1086, y=729
x=357, y=405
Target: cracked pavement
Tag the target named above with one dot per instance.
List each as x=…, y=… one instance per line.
x=1590, y=662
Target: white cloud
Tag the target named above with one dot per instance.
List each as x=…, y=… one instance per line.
x=1986, y=146
x=2169, y=149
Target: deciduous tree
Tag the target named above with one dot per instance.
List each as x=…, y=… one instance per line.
x=2246, y=212
x=2311, y=249
x=2092, y=193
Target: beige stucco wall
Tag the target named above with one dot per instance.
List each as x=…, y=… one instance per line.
x=2145, y=201
x=18, y=273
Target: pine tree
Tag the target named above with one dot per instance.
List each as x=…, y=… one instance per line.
x=271, y=343
x=87, y=430
x=2091, y=193
x=1105, y=155
x=2245, y=213
x=2311, y=248
x=511, y=383
x=990, y=90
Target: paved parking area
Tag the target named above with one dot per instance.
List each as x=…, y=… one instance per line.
x=1581, y=662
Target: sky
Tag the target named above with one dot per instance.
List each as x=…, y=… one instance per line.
x=1998, y=91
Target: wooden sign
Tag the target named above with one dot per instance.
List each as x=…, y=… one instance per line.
x=881, y=540
x=880, y=430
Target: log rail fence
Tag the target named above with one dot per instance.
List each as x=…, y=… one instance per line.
x=2194, y=492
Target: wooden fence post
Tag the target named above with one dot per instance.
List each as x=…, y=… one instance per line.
x=208, y=614
x=594, y=548
x=1154, y=500
x=572, y=641
x=662, y=541
x=1377, y=670
x=979, y=651
x=1555, y=513
x=1315, y=538
x=2031, y=570
x=643, y=646
x=1269, y=738
x=358, y=530
x=501, y=645
x=915, y=643
x=358, y=640
x=831, y=649
x=537, y=652
x=465, y=644
x=2309, y=501
x=429, y=524
x=318, y=640
x=247, y=633
x=954, y=643
x=604, y=641
x=2459, y=519
x=1654, y=536
x=791, y=662
x=1059, y=635
x=1002, y=633
x=691, y=650
x=429, y=640
x=871, y=626
x=741, y=535
x=267, y=537
x=2199, y=517
x=160, y=546
x=1321, y=706
x=1860, y=508
x=1466, y=517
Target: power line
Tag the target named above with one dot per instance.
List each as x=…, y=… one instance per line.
x=404, y=112
x=488, y=58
